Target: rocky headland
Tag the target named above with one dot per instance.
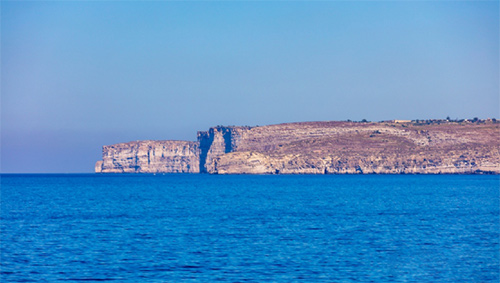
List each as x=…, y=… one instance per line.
x=392, y=147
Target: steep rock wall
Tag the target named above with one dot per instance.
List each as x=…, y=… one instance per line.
x=150, y=157
x=218, y=141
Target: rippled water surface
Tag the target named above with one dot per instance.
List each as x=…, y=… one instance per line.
x=208, y=228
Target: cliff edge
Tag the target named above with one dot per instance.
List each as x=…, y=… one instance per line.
x=318, y=148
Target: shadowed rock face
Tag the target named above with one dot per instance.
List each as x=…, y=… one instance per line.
x=216, y=142
x=318, y=148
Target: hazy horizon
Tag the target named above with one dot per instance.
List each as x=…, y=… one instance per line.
x=80, y=75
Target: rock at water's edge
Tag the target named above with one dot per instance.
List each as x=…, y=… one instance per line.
x=98, y=166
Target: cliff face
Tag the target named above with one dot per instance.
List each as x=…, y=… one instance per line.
x=150, y=157
x=342, y=147
x=218, y=141
x=318, y=148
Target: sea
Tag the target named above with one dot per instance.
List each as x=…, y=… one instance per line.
x=249, y=228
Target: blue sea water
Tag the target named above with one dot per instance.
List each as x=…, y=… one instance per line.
x=246, y=228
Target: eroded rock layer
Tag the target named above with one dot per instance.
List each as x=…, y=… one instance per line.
x=150, y=157
x=318, y=148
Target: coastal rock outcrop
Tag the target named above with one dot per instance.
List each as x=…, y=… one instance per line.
x=318, y=148
x=150, y=157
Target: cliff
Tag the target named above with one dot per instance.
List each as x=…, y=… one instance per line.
x=318, y=148
x=150, y=157
x=216, y=142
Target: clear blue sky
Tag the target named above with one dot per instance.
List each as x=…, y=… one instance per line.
x=79, y=75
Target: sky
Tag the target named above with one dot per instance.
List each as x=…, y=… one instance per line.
x=79, y=75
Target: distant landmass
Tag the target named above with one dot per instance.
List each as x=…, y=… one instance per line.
x=388, y=147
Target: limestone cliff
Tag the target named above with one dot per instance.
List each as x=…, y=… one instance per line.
x=218, y=141
x=150, y=157
x=342, y=147
x=318, y=148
